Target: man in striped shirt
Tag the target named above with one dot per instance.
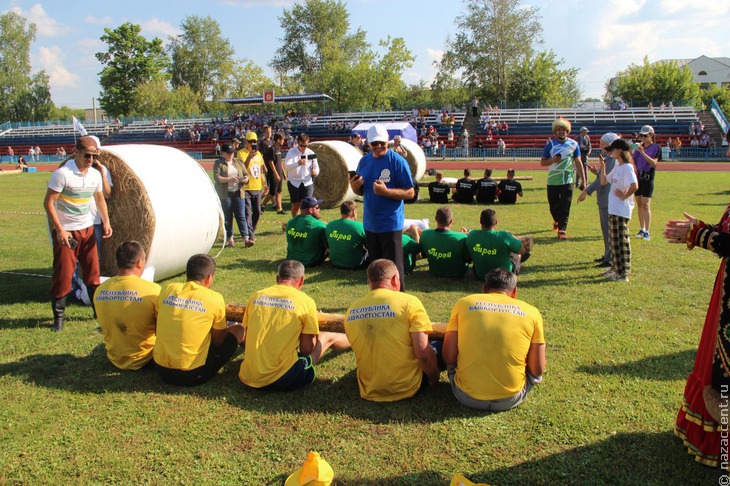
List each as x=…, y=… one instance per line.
x=67, y=204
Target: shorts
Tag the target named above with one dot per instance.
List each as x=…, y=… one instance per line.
x=301, y=373
x=218, y=356
x=646, y=184
x=274, y=186
x=296, y=194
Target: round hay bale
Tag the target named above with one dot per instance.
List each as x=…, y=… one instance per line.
x=415, y=157
x=165, y=200
x=335, y=159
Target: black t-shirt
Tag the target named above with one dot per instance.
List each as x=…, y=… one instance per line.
x=508, y=190
x=438, y=192
x=466, y=188
x=486, y=190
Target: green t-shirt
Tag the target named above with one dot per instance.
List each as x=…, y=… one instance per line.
x=346, y=239
x=490, y=249
x=411, y=249
x=446, y=252
x=305, y=240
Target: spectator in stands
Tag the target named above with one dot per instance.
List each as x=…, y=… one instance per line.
x=676, y=147
x=474, y=107
x=646, y=157
x=11, y=153
x=31, y=153
x=302, y=167
x=509, y=189
x=444, y=249
x=489, y=248
x=584, y=142
x=504, y=128
x=465, y=188
x=217, y=150
x=486, y=188
x=465, y=141
x=450, y=136
x=562, y=157
x=692, y=128
x=61, y=151
x=38, y=153
x=438, y=191
x=501, y=147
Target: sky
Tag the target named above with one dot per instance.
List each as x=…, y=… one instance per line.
x=600, y=37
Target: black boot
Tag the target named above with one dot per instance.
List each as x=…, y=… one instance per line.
x=91, y=289
x=59, y=311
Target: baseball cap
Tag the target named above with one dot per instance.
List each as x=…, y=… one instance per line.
x=584, y=129
x=397, y=137
x=315, y=472
x=619, y=143
x=227, y=148
x=251, y=136
x=646, y=129
x=609, y=138
x=377, y=133
x=310, y=202
x=355, y=135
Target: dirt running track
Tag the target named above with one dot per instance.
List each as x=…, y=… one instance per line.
x=480, y=165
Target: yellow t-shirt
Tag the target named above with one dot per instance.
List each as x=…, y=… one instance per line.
x=275, y=318
x=186, y=314
x=495, y=334
x=126, y=308
x=379, y=328
x=256, y=177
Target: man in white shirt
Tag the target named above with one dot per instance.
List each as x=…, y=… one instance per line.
x=302, y=167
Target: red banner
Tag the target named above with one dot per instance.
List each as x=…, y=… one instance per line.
x=269, y=96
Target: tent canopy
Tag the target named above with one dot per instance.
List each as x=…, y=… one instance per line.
x=405, y=130
x=299, y=98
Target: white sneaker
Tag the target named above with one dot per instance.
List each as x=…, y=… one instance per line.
x=640, y=234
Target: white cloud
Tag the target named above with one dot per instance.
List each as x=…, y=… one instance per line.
x=46, y=26
x=98, y=21
x=159, y=28
x=626, y=7
x=51, y=60
x=90, y=44
x=435, y=54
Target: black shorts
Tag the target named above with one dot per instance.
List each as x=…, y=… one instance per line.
x=274, y=186
x=217, y=357
x=646, y=184
x=296, y=194
x=301, y=373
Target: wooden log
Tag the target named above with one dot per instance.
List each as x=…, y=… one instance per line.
x=328, y=322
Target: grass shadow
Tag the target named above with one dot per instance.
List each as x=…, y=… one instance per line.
x=25, y=285
x=675, y=366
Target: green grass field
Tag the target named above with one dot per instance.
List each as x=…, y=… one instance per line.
x=618, y=356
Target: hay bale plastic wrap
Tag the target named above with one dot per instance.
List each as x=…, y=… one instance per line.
x=415, y=157
x=165, y=200
x=335, y=159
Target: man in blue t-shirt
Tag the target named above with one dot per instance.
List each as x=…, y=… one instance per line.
x=383, y=178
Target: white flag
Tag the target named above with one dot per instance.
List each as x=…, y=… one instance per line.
x=79, y=127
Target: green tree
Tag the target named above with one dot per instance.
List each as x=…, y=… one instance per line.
x=22, y=96
x=156, y=98
x=539, y=79
x=493, y=38
x=319, y=53
x=658, y=82
x=721, y=95
x=130, y=61
x=202, y=58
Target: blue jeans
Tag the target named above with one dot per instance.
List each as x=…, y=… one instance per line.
x=235, y=207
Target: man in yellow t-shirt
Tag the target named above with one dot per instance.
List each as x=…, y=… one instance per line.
x=193, y=342
x=256, y=186
x=494, y=346
x=283, y=342
x=388, y=331
x=126, y=308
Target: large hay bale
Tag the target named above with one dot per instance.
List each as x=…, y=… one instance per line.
x=335, y=159
x=165, y=200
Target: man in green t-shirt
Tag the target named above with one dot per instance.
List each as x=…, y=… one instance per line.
x=490, y=248
x=306, y=241
x=444, y=249
x=346, y=239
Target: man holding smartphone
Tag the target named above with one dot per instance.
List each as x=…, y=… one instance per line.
x=302, y=167
x=67, y=204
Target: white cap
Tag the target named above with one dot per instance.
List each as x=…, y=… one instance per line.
x=646, y=130
x=608, y=138
x=377, y=133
